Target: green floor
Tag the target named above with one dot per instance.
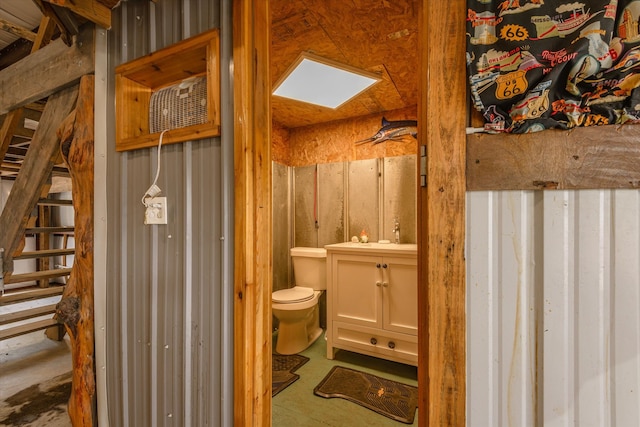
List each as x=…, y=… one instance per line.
x=298, y=406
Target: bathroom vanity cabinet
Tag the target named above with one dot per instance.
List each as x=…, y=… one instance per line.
x=372, y=300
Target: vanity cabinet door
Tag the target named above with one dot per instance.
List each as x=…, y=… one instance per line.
x=400, y=294
x=356, y=290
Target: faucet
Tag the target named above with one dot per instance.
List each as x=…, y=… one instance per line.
x=396, y=229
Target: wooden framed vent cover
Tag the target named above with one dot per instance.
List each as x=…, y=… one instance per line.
x=144, y=107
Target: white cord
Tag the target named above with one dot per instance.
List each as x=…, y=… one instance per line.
x=154, y=190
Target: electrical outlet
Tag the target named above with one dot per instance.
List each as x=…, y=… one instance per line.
x=156, y=212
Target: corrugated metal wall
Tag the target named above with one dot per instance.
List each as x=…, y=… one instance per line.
x=334, y=201
x=553, y=308
x=169, y=287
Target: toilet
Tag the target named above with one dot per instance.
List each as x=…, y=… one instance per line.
x=296, y=308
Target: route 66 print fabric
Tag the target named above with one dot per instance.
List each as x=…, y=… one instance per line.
x=539, y=64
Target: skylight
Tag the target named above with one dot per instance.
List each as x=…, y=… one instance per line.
x=323, y=82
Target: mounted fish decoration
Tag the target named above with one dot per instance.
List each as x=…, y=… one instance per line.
x=393, y=130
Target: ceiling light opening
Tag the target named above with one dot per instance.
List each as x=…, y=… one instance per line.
x=323, y=82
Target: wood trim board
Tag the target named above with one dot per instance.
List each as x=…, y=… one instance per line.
x=252, y=224
x=602, y=157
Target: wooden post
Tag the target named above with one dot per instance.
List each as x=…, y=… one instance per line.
x=252, y=271
x=75, y=309
x=43, y=242
x=441, y=212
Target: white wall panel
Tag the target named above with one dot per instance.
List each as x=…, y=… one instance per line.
x=553, y=308
x=557, y=322
x=500, y=309
x=625, y=309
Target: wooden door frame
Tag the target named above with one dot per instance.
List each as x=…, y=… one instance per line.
x=441, y=214
x=442, y=113
x=252, y=212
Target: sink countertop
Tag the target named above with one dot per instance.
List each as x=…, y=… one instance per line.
x=401, y=248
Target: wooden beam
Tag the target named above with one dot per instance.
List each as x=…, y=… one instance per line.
x=7, y=130
x=75, y=309
x=64, y=20
x=45, y=32
x=252, y=266
x=14, y=52
x=576, y=159
x=17, y=30
x=46, y=71
x=92, y=10
x=441, y=212
x=34, y=172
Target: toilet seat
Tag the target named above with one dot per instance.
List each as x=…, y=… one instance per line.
x=292, y=295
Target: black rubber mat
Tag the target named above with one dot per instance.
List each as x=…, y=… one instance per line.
x=283, y=367
x=389, y=398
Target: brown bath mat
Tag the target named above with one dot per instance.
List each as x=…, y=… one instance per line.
x=390, y=398
x=283, y=367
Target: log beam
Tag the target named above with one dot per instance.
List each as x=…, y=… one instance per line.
x=17, y=30
x=89, y=9
x=54, y=67
x=63, y=18
x=75, y=309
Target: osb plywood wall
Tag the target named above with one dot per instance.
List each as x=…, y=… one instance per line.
x=335, y=141
x=280, y=144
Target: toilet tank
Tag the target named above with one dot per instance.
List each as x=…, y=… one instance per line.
x=310, y=267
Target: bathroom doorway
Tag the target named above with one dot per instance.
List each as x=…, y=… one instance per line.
x=441, y=213
x=307, y=139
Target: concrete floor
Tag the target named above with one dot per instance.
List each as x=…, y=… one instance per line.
x=297, y=406
x=31, y=361
x=28, y=364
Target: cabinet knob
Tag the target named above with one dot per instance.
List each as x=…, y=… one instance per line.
x=378, y=283
x=378, y=265
x=385, y=284
x=392, y=345
x=384, y=265
x=374, y=341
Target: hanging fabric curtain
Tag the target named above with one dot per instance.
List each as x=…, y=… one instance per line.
x=540, y=64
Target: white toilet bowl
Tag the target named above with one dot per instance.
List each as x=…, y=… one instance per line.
x=296, y=308
x=297, y=312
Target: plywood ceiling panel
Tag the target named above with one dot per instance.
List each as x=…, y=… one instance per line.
x=374, y=35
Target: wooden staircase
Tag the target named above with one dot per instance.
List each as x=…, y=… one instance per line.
x=29, y=212
x=47, y=276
